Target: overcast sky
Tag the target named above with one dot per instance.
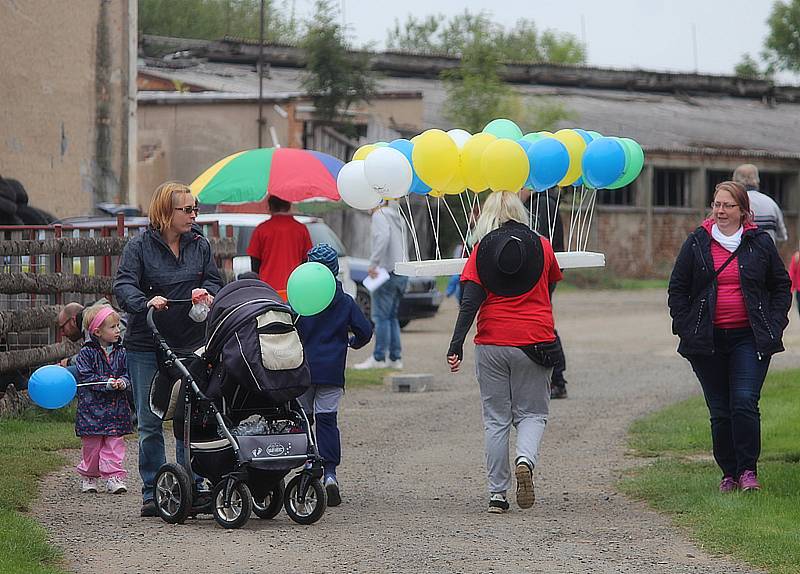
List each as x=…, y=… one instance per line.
x=649, y=34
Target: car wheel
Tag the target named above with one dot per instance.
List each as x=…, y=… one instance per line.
x=364, y=302
x=404, y=322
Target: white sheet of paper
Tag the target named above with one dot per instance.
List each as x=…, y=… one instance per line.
x=372, y=283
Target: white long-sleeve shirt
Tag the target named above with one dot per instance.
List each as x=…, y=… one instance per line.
x=768, y=215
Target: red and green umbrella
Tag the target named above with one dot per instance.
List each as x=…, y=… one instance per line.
x=289, y=173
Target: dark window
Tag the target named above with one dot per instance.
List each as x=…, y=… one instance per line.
x=713, y=178
x=670, y=187
x=621, y=196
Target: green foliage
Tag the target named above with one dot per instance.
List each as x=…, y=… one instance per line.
x=523, y=43
x=677, y=434
x=749, y=68
x=782, y=46
x=336, y=78
x=213, y=19
x=29, y=448
x=366, y=378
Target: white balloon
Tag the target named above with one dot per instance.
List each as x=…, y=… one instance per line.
x=354, y=188
x=388, y=172
x=459, y=136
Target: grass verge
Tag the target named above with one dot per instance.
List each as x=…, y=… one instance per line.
x=759, y=528
x=28, y=450
x=365, y=378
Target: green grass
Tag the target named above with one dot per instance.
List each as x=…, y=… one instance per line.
x=366, y=378
x=29, y=448
x=759, y=528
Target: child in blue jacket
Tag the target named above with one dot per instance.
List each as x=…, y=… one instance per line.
x=326, y=337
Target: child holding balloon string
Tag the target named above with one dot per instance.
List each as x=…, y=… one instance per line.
x=104, y=413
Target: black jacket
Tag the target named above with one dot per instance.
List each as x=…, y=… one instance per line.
x=148, y=268
x=693, y=297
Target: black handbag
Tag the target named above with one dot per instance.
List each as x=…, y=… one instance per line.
x=543, y=354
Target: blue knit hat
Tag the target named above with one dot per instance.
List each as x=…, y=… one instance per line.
x=325, y=254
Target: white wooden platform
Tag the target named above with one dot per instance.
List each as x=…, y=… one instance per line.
x=566, y=260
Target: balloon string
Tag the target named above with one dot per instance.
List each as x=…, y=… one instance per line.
x=592, y=203
x=467, y=216
x=438, y=219
x=555, y=215
x=571, y=222
x=433, y=225
x=413, y=229
x=547, y=207
x=581, y=216
x=463, y=239
x=402, y=228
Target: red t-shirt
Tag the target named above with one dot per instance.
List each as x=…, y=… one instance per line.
x=281, y=244
x=521, y=320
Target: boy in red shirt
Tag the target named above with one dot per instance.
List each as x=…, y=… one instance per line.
x=278, y=245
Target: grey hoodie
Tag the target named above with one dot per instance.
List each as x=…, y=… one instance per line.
x=388, y=242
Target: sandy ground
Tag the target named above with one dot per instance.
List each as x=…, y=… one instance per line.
x=413, y=479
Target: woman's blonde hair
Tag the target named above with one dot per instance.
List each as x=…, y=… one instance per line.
x=91, y=312
x=162, y=206
x=502, y=206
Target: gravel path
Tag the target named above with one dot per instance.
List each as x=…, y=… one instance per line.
x=413, y=479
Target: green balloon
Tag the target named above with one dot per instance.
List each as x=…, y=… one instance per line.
x=594, y=135
x=503, y=129
x=533, y=137
x=634, y=161
x=310, y=288
x=380, y=144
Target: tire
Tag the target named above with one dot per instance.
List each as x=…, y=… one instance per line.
x=364, y=301
x=315, y=503
x=241, y=505
x=272, y=503
x=173, y=493
x=404, y=323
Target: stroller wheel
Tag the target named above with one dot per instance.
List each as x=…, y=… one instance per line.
x=173, y=493
x=312, y=508
x=239, y=510
x=271, y=504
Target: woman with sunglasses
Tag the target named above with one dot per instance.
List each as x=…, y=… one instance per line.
x=729, y=300
x=170, y=260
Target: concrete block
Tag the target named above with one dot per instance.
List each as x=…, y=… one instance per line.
x=416, y=383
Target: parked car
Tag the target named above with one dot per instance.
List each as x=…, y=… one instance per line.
x=421, y=299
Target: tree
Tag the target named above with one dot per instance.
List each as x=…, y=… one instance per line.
x=336, y=78
x=214, y=19
x=782, y=46
x=749, y=68
x=476, y=93
x=523, y=43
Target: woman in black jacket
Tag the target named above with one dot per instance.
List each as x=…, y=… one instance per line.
x=729, y=299
x=169, y=260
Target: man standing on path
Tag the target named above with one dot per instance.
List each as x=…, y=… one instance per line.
x=278, y=245
x=388, y=247
x=767, y=214
x=546, y=215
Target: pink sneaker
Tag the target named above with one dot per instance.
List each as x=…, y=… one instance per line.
x=728, y=484
x=748, y=481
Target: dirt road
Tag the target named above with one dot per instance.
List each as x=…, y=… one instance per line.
x=413, y=477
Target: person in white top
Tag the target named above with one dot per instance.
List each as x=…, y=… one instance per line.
x=767, y=214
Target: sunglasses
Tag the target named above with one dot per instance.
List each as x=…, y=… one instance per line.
x=188, y=209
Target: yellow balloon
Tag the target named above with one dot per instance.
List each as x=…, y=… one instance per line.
x=436, y=193
x=435, y=158
x=575, y=145
x=456, y=185
x=546, y=133
x=471, y=154
x=505, y=165
x=364, y=151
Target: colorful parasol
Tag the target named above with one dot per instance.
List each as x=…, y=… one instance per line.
x=289, y=173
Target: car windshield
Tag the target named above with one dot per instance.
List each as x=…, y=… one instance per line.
x=319, y=232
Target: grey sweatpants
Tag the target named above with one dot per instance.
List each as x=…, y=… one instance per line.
x=514, y=391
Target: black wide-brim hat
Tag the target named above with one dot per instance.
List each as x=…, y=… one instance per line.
x=510, y=259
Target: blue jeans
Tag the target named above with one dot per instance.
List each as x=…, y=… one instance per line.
x=385, y=303
x=142, y=366
x=732, y=379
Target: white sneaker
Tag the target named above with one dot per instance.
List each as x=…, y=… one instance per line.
x=89, y=485
x=116, y=486
x=370, y=363
x=398, y=364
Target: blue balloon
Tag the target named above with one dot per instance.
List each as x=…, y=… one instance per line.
x=588, y=138
x=549, y=160
x=406, y=148
x=603, y=162
x=526, y=145
x=52, y=387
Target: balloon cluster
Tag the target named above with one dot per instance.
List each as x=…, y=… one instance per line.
x=500, y=158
